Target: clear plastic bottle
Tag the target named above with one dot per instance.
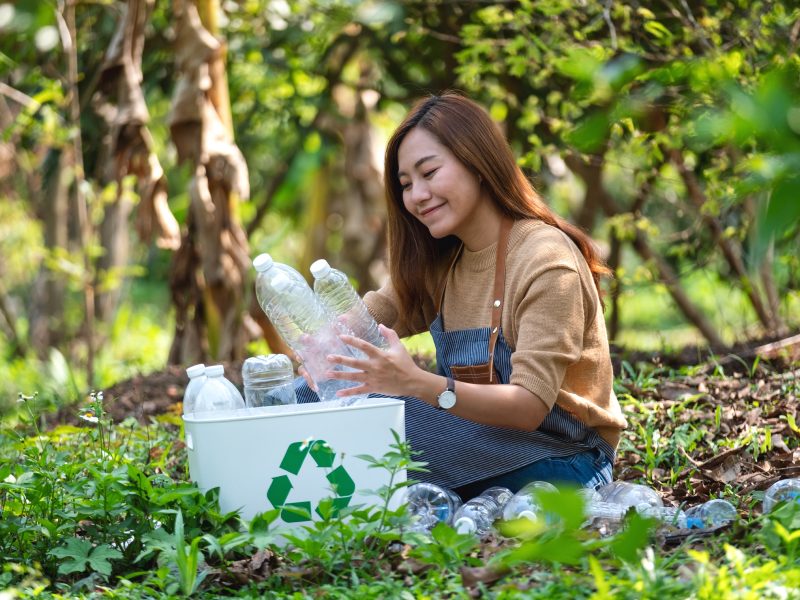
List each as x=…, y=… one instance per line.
x=268, y=380
x=711, y=514
x=629, y=494
x=303, y=323
x=784, y=490
x=478, y=514
x=607, y=511
x=197, y=377
x=337, y=294
x=524, y=504
x=215, y=395
x=430, y=504
x=666, y=514
x=234, y=391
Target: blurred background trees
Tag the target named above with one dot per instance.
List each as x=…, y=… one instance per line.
x=150, y=148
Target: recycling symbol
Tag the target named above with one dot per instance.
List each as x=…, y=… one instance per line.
x=322, y=454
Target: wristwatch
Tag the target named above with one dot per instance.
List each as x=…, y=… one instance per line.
x=447, y=399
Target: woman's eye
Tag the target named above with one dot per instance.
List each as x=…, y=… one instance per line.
x=429, y=173
x=405, y=186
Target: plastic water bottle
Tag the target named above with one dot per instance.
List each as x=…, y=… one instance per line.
x=478, y=514
x=666, y=514
x=611, y=512
x=197, y=377
x=711, y=514
x=337, y=294
x=606, y=511
x=524, y=505
x=215, y=395
x=430, y=504
x=268, y=380
x=784, y=490
x=235, y=393
x=629, y=494
x=303, y=323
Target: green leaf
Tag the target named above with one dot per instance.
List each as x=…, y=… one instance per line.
x=101, y=557
x=628, y=544
x=77, y=551
x=590, y=134
x=566, y=503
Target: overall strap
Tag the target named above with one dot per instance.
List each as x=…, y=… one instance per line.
x=499, y=290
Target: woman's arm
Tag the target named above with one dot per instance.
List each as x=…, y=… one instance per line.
x=394, y=373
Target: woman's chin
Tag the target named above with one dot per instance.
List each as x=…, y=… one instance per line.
x=438, y=232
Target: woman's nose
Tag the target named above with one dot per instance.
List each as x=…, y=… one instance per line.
x=420, y=191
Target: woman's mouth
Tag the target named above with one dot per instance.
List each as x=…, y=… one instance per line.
x=429, y=210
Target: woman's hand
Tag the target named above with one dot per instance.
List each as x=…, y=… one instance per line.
x=391, y=372
x=301, y=370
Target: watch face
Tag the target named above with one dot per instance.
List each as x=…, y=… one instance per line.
x=447, y=399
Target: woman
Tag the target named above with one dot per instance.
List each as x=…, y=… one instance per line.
x=510, y=295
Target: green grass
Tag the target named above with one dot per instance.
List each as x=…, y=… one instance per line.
x=106, y=509
x=650, y=320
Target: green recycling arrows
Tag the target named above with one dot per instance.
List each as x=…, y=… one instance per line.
x=323, y=456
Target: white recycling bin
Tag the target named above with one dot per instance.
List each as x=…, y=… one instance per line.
x=292, y=456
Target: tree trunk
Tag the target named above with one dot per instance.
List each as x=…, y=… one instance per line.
x=363, y=208
x=592, y=175
x=732, y=255
x=211, y=267
x=129, y=151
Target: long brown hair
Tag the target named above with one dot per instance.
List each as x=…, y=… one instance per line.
x=416, y=258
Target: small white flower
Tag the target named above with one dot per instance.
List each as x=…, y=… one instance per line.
x=10, y=479
x=88, y=416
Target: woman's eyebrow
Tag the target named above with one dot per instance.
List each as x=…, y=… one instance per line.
x=418, y=163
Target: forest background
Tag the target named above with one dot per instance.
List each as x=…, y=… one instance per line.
x=150, y=149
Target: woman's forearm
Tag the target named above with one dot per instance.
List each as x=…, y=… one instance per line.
x=503, y=405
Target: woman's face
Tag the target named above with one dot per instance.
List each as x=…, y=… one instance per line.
x=441, y=192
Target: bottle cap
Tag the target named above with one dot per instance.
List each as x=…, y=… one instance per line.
x=320, y=268
x=215, y=370
x=465, y=525
x=196, y=370
x=263, y=262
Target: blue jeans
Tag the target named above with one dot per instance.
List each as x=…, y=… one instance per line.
x=589, y=469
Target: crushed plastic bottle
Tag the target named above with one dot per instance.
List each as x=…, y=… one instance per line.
x=666, y=514
x=523, y=504
x=215, y=395
x=713, y=513
x=304, y=324
x=268, y=380
x=606, y=511
x=478, y=514
x=197, y=377
x=337, y=294
x=589, y=495
x=629, y=494
x=784, y=490
x=429, y=504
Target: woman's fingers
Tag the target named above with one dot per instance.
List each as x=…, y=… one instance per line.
x=302, y=371
x=348, y=361
x=367, y=348
x=352, y=391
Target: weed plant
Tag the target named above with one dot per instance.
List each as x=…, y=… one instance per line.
x=105, y=510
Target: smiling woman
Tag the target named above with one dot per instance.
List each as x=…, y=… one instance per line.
x=509, y=293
